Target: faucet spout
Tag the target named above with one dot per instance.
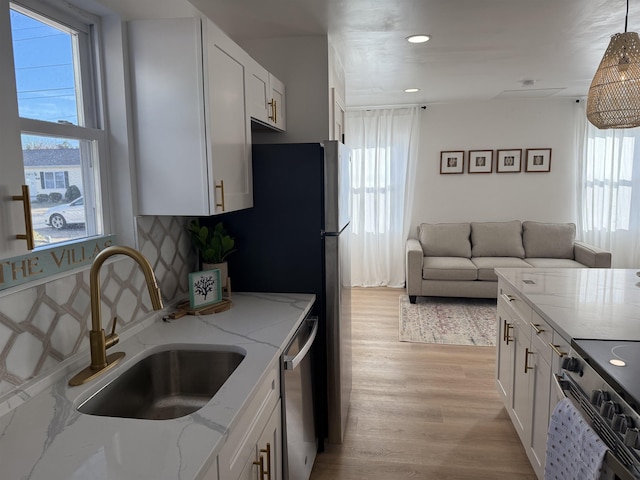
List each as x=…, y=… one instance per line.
x=99, y=342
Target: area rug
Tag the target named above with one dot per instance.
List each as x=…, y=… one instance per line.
x=453, y=321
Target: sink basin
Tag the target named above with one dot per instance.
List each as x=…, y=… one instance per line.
x=164, y=385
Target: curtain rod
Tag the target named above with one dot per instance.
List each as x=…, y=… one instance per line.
x=382, y=107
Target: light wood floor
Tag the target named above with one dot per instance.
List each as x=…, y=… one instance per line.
x=420, y=411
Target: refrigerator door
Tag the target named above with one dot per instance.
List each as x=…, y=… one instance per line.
x=337, y=175
x=338, y=311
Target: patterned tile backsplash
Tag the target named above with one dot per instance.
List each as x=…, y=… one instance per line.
x=41, y=326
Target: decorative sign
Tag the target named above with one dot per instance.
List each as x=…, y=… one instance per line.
x=204, y=288
x=43, y=263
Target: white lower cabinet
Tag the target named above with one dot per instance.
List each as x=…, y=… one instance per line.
x=254, y=447
x=267, y=460
x=528, y=353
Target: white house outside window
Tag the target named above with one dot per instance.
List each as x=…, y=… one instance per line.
x=55, y=56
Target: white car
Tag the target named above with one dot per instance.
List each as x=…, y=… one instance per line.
x=68, y=214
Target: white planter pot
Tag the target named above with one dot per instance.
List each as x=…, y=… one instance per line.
x=224, y=270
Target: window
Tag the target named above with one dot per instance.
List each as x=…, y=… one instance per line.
x=54, y=180
x=62, y=139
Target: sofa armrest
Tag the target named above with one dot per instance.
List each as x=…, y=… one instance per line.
x=591, y=256
x=414, y=267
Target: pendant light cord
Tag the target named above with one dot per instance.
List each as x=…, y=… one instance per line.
x=626, y=17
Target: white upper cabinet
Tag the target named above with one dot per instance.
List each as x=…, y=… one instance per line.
x=192, y=128
x=266, y=97
x=12, y=218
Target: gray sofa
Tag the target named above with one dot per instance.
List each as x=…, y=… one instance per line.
x=458, y=259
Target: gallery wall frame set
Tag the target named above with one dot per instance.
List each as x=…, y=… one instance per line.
x=507, y=161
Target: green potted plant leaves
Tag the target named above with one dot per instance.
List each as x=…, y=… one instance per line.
x=213, y=246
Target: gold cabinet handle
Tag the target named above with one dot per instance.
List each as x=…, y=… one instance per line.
x=26, y=202
x=537, y=328
x=221, y=188
x=508, y=298
x=274, y=110
x=260, y=464
x=527, y=352
x=505, y=335
x=555, y=348
x=267, y=452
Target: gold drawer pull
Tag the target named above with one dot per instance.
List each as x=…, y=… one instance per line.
x=26, y=202
x=555, y=348
x=527, y=352
x=537, y=328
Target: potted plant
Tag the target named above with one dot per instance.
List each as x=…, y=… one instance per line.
x=213, y=246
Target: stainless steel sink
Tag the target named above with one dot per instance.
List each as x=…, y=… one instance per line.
x=164, y=385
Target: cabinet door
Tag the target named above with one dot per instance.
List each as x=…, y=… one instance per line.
x=504, y=356
x=268, y=448
x=169, y=116
x=272, y=436
x=278, y=115
x=258, y=92
x=521, y=405
x=230, y=129
x=12, y=176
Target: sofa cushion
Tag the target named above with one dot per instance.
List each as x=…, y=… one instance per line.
x=445, y=239
x=448, y=268
x=487, y=264
x=548, y=240
x=553, y=263
x=497, y=239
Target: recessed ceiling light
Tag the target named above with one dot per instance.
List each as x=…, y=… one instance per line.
x=411, y=90
x=418, y=38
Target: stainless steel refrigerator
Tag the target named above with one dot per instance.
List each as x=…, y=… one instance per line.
x=296, y=239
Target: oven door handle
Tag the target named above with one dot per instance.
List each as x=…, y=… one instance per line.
x=615, y=465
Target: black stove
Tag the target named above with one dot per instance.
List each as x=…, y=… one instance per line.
x=617, y=362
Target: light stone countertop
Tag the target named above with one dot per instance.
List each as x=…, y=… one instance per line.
x=582, y=303
x=46, y=438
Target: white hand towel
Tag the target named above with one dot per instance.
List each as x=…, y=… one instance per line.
x=574, y=450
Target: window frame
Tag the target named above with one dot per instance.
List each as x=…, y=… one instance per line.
x=91, y=128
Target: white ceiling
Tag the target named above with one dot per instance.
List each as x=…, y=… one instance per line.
x=480, y=49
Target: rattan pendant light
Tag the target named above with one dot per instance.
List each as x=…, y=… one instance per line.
x=614, y=95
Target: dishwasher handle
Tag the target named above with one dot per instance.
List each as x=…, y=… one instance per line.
x=291, y=362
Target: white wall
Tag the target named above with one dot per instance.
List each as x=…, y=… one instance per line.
x=497, y=124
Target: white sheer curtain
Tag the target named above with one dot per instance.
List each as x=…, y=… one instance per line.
x=609, y=192
x=384, y=143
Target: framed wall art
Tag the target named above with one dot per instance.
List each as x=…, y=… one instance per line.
x=480, y=161
x=538, y=160
x=509, y=161
x=452, y=162
x=204, y=288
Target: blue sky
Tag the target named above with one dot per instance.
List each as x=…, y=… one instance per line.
x=44, y=70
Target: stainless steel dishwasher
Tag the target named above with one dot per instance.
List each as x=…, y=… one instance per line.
x=299, y=434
